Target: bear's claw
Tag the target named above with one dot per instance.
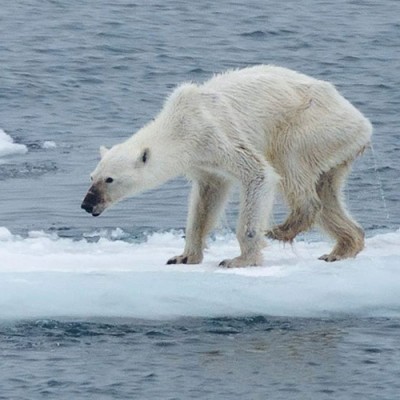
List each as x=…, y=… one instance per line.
x=183, y=259
x=329, y=258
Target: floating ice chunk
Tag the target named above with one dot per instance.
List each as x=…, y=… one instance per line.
x=8, y=147
x=49, y=144
x=43, y=275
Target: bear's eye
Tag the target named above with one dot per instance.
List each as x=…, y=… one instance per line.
x=109, y=180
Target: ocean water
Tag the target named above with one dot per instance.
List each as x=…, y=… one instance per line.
x=88, y=309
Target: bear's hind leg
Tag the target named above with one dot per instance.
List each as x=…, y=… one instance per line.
x=207, y=199
x=334, y=218
x=304, y=210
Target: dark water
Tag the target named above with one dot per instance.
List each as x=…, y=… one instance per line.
x=247, y=358
x=86, y=73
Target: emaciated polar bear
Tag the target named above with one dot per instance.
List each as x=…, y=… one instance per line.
x=265, y=127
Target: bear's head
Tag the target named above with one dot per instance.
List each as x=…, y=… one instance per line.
x=120, y=173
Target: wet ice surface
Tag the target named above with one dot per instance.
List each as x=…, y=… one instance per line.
x=44, y=275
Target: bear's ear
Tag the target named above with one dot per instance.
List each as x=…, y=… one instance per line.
x=145, y=156
x=103, y=151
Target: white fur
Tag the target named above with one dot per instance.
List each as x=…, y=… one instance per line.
x=265, y=127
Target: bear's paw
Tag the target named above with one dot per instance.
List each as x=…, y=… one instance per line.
x=241, y=261
x=185, y=259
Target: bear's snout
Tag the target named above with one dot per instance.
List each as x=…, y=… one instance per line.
x=89, y=203
x=87, y=207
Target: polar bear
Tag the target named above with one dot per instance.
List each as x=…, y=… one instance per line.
x=266, y=127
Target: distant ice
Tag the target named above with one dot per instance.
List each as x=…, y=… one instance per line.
x=47, y=276
x=8, y=147
x=49, y=144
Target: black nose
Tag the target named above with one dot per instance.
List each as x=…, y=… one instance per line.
x=87, y=207
x=90, y=200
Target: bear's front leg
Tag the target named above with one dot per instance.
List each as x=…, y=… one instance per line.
x=208, y=196
x=256, y=205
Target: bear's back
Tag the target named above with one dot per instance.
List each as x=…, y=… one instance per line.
x=254, y=76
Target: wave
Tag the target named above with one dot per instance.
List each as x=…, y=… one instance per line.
x=43, y=275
